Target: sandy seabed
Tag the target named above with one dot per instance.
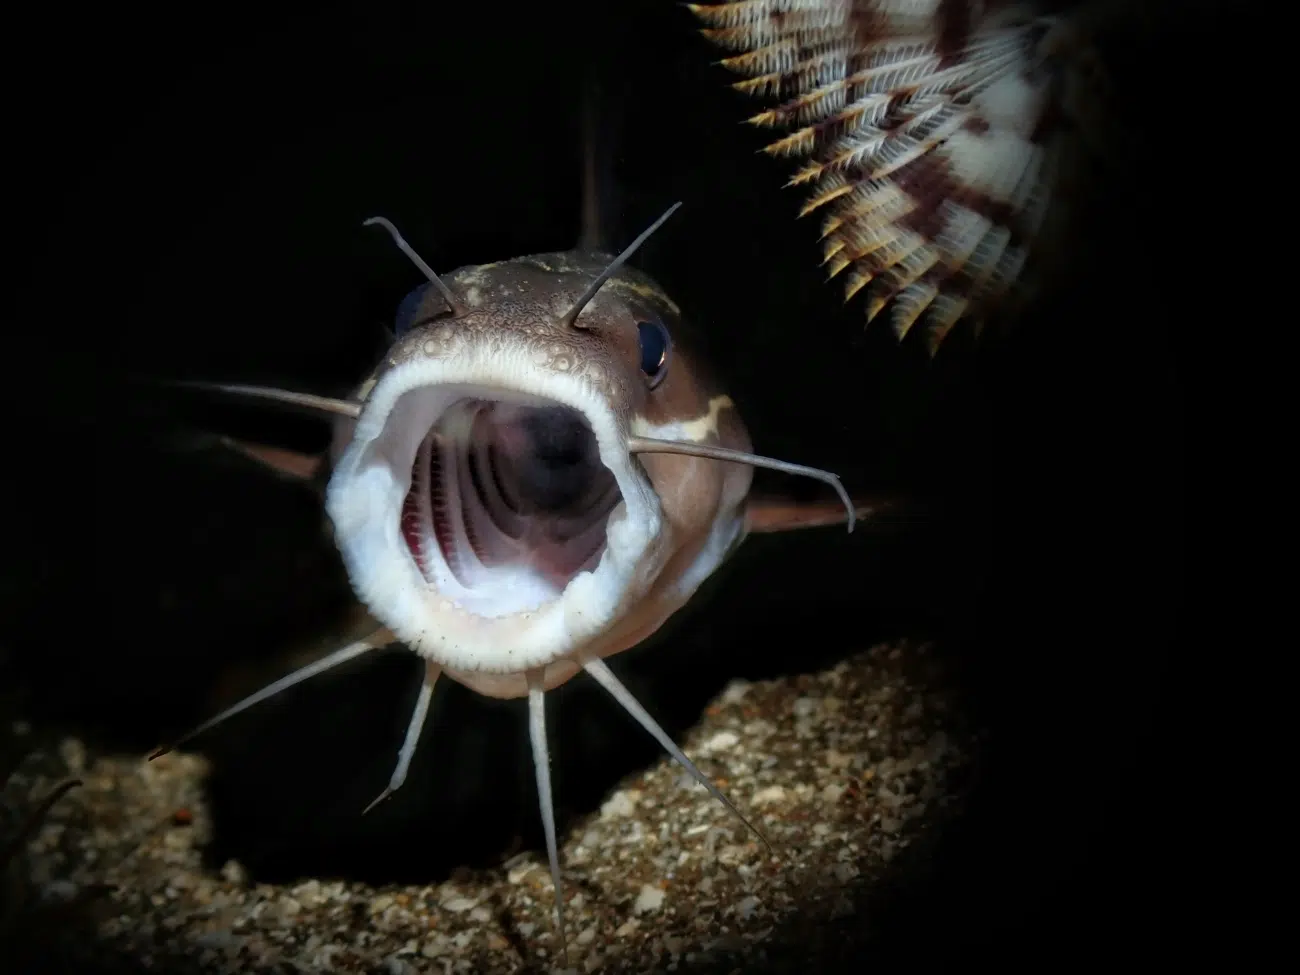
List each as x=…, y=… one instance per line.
x=842, y=770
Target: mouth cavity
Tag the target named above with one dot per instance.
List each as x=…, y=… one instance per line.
x=508, y=502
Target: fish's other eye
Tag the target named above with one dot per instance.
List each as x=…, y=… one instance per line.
x=404, y=321
x=653, y=339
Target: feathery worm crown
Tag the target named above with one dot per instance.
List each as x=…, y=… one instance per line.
x=927, y=134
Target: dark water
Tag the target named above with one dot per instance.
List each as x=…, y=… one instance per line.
x=194, y=209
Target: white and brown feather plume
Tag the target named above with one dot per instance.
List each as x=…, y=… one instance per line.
x=931, y=134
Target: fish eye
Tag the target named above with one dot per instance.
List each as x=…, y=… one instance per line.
x=404, y=321
x=653, y=340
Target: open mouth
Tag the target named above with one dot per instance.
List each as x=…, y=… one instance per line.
x=509, y=501
x=489, y=513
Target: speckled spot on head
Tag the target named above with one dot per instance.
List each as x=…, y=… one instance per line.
x=515, y=308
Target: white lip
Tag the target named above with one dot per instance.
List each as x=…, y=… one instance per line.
x=369, y=484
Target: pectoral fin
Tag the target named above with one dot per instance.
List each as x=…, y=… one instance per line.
x=286, y=463
x=772, y=513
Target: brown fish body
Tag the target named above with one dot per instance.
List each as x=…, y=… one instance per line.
x=511, y=337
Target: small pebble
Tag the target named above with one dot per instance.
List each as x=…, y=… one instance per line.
x=832, y=792
x=232, y=872
x=650, y=899
x=735, y=692
x=721, y=742
x=773, y=793
x=621, y=803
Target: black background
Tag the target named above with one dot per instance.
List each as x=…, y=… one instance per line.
x=189, y=189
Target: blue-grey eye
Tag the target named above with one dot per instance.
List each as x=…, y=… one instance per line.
x=653, y=339
x=406, y=310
